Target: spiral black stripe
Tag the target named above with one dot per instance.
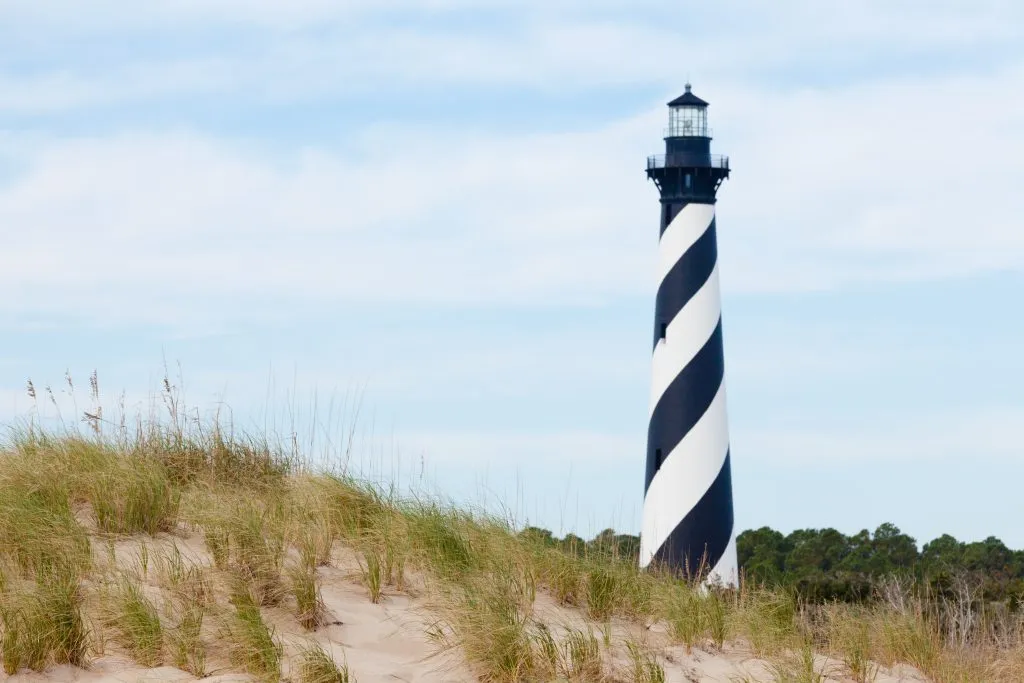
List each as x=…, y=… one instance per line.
x=685, y=279
x=684, y=402
x=702, y=537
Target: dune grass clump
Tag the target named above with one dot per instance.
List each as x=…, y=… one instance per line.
x=126, y=495
x=136, y=499
x=372, y=573
x=184, y=639
x=686, y=617
x=188, y=598
x=214, y=457
x=443, y=541
x=309, y=605
x=766, y=619
x=315, y=541
x=44, y=553
x=563, y=576
x=348, y=508
x=41, y=621
x=489, y=616
x=582, y=661
x=250, y=641
x=39, y=530
x=603, y=587
x=246, y=537
x=849, y=636
x=644, y=666
x=317, y=666
x=133, y=617
x=797, y=666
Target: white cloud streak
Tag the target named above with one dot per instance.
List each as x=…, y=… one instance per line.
x=890, y=181
x=297, y=51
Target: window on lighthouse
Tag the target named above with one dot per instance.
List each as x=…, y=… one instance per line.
x=687, y=122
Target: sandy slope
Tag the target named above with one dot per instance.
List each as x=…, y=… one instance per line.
x=387, y=642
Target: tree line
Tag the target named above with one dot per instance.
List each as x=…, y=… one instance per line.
x=825, y=564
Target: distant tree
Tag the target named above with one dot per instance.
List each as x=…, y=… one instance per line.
x=893, y=550
x=538, y=535
x=816, y=550
x=573, y=544
x=944, y=553
x=627, y=547
x=990, y=556
x=762, y=553
x=860, y=550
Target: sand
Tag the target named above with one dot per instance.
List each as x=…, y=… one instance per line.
x=387, y=642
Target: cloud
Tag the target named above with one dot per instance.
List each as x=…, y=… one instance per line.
x=271, y=52
x=881, y=182
x=154, y=226
x=872, y=180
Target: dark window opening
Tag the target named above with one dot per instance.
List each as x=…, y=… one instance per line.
x=657, y=458
x=664, y=329
x=687, y=181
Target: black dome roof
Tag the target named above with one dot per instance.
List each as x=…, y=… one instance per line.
x=688, y=99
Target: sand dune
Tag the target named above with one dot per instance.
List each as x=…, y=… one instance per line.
x=388, y=642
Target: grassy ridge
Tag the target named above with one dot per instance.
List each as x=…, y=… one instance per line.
x=269, y=524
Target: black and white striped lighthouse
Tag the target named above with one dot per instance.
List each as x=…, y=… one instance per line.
x=688, y=510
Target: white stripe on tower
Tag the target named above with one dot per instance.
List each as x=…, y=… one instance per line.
x=687, y=516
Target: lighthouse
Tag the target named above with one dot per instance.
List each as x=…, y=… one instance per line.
x=688, y=510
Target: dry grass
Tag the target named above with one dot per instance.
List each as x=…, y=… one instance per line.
x=317, y=666
x=251, y=644
x=270, y=527
x=644, y=666
x=309, y=605
x=188, y=599
x=41, y=622
x=133, y=617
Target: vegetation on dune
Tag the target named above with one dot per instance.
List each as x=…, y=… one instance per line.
x=70, y=503
x=822, y=565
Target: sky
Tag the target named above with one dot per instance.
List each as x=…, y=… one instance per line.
x=424, y=226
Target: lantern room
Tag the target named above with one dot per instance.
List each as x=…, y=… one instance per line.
x=688, y=117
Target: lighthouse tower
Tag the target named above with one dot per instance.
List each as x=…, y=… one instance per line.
x=688, y=511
